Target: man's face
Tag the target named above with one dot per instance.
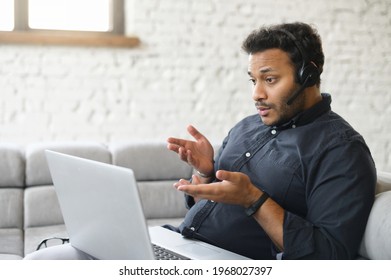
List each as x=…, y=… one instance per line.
x=273, y=76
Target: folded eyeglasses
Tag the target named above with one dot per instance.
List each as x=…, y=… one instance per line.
x=53, y=241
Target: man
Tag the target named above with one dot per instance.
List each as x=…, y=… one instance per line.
x=295, y=181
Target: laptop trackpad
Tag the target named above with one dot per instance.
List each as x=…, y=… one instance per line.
x=196, y=249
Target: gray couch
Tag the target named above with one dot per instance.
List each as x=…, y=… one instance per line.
x=29, y=210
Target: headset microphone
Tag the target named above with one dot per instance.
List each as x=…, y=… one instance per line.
x=297, y=92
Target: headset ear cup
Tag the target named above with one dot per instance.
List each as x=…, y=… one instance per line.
x=309, y=75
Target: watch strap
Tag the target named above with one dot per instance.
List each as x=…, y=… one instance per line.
x=256, y=205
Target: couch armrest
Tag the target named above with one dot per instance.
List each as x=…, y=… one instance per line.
x=376, y=243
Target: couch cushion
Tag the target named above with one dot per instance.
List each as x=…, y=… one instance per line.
x=150, y=161
x=376, y=243
x=10, y=257
x=12, y=166
x=11, y=208
x=161, y=200
x=11, y=243
x=41, y=207
x=37, y=170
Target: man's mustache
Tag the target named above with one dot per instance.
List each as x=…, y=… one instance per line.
x=260, y=104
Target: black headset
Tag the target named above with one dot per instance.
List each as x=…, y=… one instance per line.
x=308, y=74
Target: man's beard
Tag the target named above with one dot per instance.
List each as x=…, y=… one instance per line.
x=285, y=112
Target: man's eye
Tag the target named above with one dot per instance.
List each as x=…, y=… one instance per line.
x=270, y=80
x=252, y=81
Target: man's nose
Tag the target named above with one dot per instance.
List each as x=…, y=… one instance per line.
x=258, y=93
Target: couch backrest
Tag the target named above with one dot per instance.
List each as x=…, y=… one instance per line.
x=37, y=170
x=12, y=166
x=150, y=161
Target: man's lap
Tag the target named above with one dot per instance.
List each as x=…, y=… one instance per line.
x=60, y=252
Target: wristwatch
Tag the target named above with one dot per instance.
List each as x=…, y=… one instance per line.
x=256, y=205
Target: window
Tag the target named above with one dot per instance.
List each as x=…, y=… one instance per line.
x=76, y=22
x=7, y=15
x=85, y=15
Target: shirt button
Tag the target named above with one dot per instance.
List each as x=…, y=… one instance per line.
x=293, y=126
x=273, y=131
x=248, y=154
x=192, y=229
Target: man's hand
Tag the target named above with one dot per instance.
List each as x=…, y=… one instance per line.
x=198, y=153
x=234, y=188
x=194, y=181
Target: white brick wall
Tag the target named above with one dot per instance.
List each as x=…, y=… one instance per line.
x=190, y=69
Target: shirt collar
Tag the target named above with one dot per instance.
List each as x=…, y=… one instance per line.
x=310, y=114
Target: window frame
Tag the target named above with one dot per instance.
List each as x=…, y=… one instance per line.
x=23, y=34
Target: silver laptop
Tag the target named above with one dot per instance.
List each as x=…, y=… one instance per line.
x=103, y=214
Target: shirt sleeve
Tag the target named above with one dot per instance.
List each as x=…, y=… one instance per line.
x=339, y=193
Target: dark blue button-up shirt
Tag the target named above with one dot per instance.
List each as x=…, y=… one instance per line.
x=316, y=167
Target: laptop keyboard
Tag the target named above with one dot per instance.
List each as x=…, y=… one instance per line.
x=165, y=254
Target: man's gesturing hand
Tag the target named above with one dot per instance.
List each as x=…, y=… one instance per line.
x=198, y=153
x=234, y=188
